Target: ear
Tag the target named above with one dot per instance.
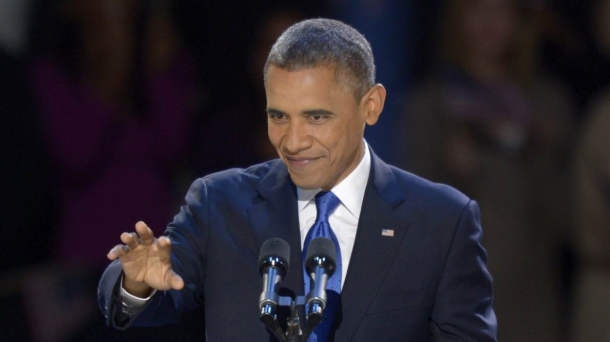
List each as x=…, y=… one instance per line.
x=372, y=103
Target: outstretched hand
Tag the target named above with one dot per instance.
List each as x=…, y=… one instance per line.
x=146, y=262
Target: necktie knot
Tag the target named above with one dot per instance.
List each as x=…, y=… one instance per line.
x=326, y=203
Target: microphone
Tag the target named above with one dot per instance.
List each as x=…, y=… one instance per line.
x=320, y=264
x=273, y=266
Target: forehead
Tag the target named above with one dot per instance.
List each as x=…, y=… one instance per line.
x=318, y=80
x=275, y=74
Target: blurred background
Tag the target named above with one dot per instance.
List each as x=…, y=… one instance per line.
x=111, y=108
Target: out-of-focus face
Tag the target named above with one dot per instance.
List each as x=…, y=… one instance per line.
x=489, y=28
x=316, y=125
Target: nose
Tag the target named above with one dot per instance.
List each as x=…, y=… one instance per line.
x=297, y=138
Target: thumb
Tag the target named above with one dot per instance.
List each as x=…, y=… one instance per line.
x=175, y=281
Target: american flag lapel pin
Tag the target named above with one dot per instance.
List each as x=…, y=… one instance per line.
x=387, y=232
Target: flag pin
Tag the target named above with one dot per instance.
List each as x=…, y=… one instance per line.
x=387, y=232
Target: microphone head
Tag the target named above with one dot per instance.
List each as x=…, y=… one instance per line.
x=321, y=251
x=275, y=252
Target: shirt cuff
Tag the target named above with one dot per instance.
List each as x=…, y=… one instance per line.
x=132, y=300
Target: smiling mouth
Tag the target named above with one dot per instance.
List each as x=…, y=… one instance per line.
x=300, y=162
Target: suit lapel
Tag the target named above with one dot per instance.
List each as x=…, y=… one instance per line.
x=373, y=252
x=276, y=216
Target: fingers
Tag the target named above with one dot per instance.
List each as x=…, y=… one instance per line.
x=117, y=252
x=143, y=236
x=165, y=245
x=130, y=239
x=146, y=234
x=174, y=280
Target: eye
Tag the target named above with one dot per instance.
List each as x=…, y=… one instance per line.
x=319, y=117
x=277, y=116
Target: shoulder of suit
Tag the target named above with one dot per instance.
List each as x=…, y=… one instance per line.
x=240, y=177
x=423, y=192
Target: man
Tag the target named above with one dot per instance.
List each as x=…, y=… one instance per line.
x=412, y=266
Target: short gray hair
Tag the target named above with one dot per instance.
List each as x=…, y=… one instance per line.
x=325, y=42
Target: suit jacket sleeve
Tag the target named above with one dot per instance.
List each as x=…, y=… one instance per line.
x=188, y=235
x=463, y=307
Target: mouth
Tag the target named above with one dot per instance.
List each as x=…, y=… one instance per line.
x=298, y=163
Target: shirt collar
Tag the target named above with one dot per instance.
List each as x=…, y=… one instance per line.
x=350, y=191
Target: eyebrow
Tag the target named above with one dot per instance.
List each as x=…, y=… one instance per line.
x=274, y=111
x=318, y=112
x=307, y=112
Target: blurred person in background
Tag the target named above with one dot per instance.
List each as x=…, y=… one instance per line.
x=571, y=47
x=592, y=228
x=25, y=172
x=28, y=197
x=115, y=90
x=489, y=123
x=591, y=233
x=115, y=95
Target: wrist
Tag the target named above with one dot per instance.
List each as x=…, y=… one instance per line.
x=135, y=288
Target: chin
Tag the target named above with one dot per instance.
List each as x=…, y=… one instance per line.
x=306, y=184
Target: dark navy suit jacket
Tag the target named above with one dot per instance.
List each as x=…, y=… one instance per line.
x=427, y=282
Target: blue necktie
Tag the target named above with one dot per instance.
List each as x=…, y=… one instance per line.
x=326, y=203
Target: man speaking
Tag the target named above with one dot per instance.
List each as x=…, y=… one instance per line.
x=409, y=260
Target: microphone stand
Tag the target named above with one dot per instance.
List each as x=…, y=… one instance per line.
x=319, y=264
x=293, y=332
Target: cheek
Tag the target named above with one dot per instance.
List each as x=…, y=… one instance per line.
x=329, y=140
x=274, y=135
x=325, y=137
x=337, y=145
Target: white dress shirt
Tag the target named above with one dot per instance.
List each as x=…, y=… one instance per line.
x=344, y=220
